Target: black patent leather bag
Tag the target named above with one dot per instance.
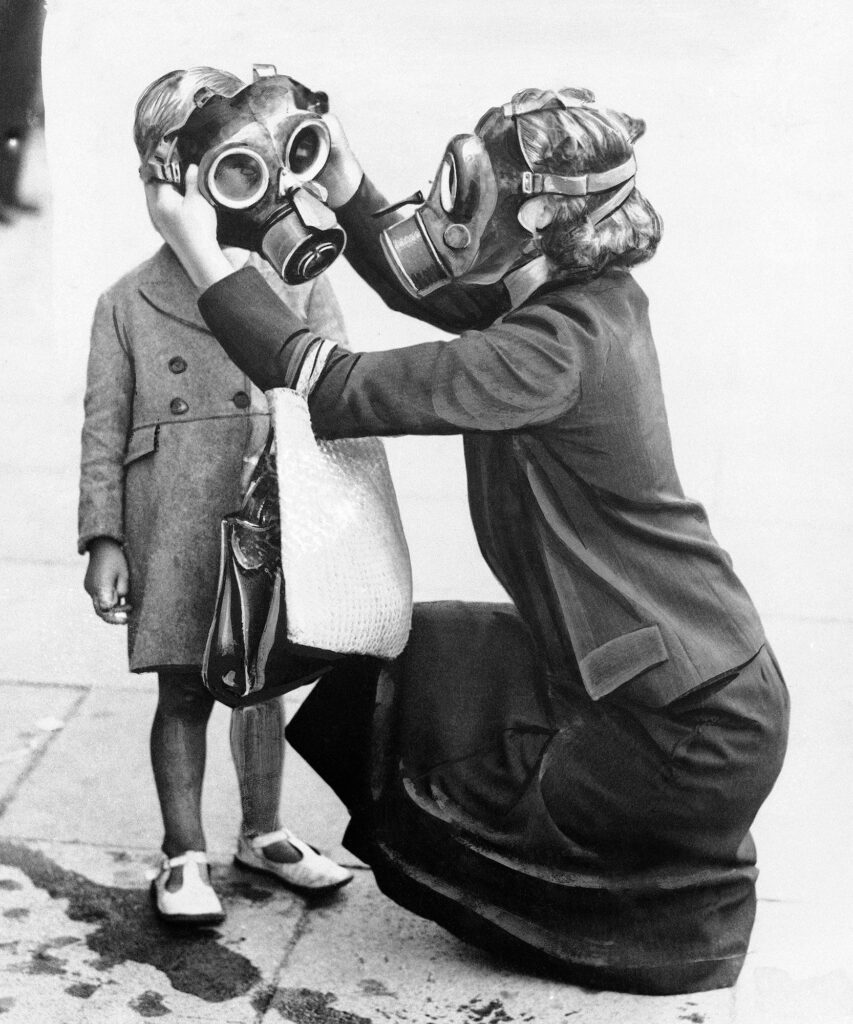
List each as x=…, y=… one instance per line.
x=248, y=658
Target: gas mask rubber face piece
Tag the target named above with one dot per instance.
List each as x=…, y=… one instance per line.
x=258, y=153
x=470, y=225
x=469, y=217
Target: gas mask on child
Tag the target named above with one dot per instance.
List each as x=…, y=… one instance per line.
x=258, y=153
x=478, y=209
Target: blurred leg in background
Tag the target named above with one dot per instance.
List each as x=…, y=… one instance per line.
x=21, y=107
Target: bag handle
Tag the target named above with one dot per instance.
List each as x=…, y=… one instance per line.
x=259, y=470
x=311, y=365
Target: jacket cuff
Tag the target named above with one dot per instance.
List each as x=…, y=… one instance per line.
x=85, y=539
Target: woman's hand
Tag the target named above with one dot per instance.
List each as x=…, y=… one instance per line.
x=342, y=174
x=107, y=581
x=187, y=224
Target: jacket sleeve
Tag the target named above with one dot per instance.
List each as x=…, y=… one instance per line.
x=453, y=307
x=519, y=373
x=108, y=407
x=324, y=314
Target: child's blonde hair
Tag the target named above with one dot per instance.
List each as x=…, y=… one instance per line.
x=578, y=140
x=168, y=102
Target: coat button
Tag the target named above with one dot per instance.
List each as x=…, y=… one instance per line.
x=178, y=406
x=241, y=400
x=177, y=364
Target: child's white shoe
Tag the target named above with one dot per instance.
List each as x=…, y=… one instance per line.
x=312, y=872
x=194, y=902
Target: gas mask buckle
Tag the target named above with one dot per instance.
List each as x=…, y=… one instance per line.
x=533, y=184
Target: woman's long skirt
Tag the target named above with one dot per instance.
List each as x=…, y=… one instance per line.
x=606, y=842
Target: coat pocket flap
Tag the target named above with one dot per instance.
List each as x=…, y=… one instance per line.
x=621, y=659
x=143, y=441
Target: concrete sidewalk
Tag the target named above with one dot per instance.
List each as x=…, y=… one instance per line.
x=79, y=823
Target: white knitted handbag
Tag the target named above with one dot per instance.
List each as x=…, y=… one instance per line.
x=344, y=559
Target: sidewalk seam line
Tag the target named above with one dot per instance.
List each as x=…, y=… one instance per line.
x=37, y=757
x=124, y=686
x=299, y=929
x=45, y=683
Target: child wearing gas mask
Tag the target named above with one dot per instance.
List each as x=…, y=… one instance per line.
x=171, y=426
x=570, y=778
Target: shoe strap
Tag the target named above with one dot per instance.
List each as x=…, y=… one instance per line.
x=190, y=857
x=268, y=838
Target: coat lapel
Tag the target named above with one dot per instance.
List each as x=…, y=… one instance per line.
x=164, y=284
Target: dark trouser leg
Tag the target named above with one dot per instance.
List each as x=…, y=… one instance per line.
x=332, y=728
x=178, y=750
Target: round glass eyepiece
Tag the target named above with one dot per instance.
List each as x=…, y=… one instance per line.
x=448, y=184
x=238, y=178
x=307, y=150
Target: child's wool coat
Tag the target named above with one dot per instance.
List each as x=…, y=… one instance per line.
x=169, y=421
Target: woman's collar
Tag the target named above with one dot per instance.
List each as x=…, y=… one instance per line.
x=523, y=282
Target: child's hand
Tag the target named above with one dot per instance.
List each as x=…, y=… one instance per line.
x=107, y=581
x=188, y=225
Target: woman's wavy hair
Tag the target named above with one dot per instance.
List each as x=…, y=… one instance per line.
x=580, y=140
x=168, y=102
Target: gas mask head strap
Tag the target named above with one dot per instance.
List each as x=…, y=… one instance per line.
x=535, y=184
x=315, y=102
x=162, y=163
x=554, y=99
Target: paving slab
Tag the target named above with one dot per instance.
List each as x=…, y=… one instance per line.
x=81, y=942
x=33, y=715
x=94, y=785
x=50, y=633
x=798, y=968
x=369, y=962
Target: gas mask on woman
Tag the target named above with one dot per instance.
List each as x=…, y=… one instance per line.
x=258, y=153
x=478, y=209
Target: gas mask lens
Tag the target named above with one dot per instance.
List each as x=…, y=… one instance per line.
x=238, y=178
x=447, y=184
x=307, y=150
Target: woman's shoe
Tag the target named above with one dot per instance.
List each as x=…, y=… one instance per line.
x=194, y=902
x=311, y=873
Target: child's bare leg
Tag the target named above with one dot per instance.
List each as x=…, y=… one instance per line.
x=257, y=746
x=178, y=749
